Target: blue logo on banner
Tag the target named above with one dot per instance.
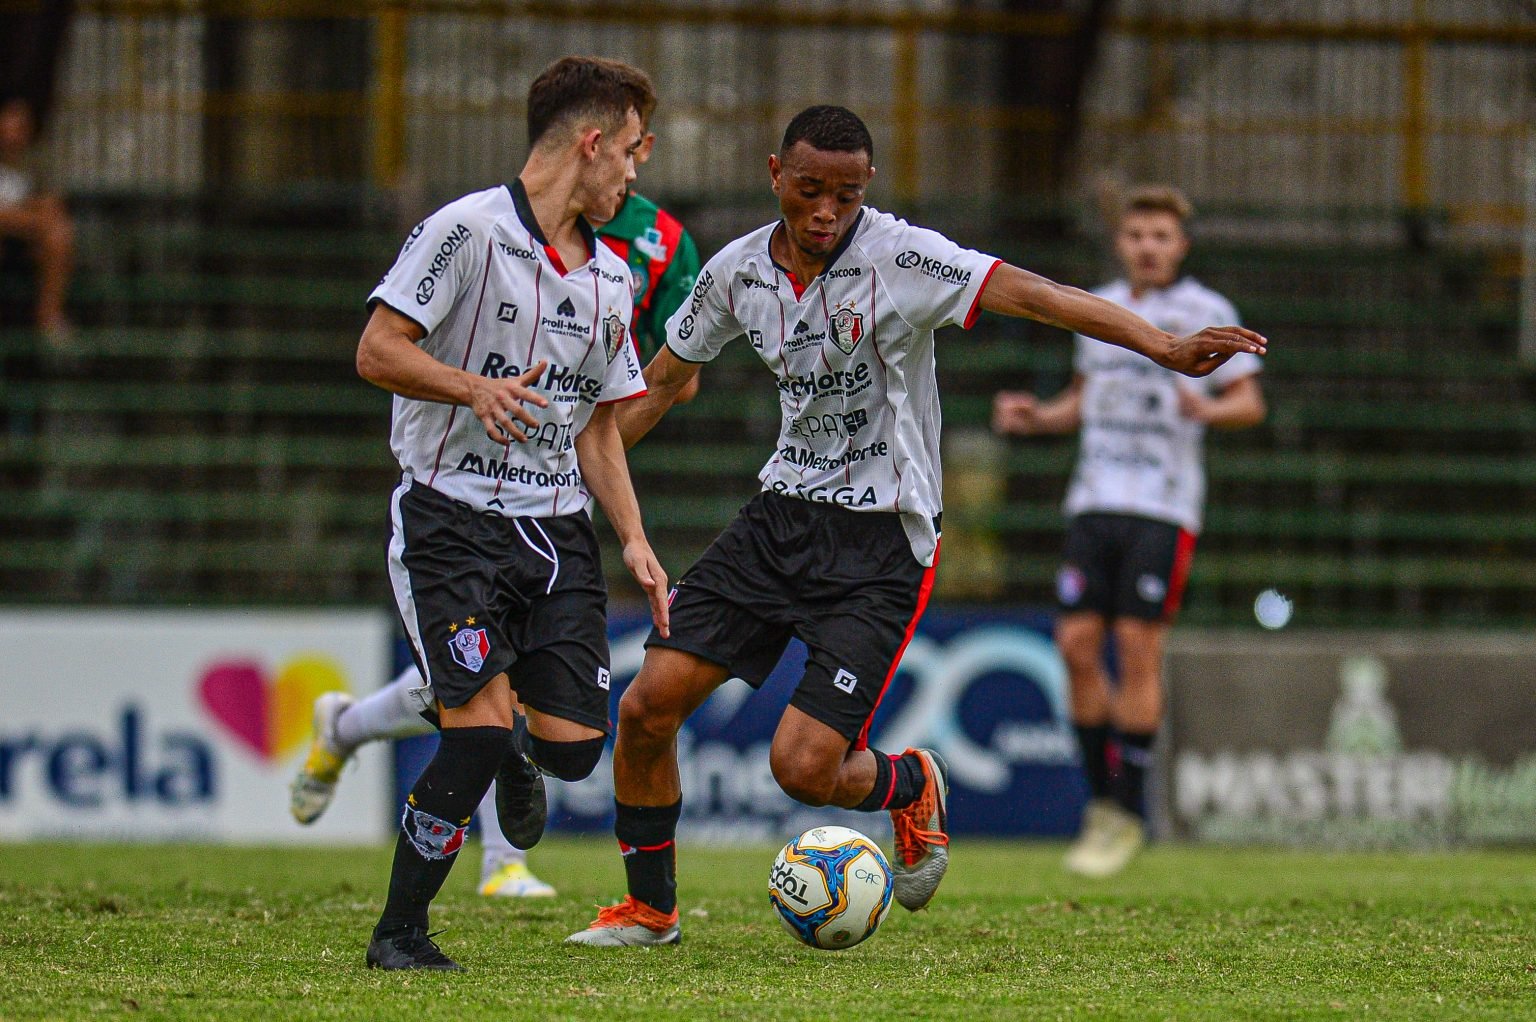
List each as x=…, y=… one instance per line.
x=986, y=688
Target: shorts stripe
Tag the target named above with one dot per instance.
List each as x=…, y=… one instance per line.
x=1183, y=557
x=400, y=581
x=923, y=592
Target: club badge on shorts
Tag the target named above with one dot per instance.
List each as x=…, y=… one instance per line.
x=470, y=646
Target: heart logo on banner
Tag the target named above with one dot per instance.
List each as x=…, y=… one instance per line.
x=268, y=715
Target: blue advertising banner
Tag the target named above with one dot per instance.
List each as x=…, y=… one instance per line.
x=984, y=687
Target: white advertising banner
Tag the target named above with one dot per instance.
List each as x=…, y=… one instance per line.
x=160, y=725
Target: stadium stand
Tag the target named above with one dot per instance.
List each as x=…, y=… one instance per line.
x=211, y=441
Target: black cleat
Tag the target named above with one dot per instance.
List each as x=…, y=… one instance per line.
x=410, y=950
x=522, y=808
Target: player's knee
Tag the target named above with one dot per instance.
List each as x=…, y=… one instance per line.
x=569, y=761
x=645, y=717
x=1081, y=643
x=803, y=779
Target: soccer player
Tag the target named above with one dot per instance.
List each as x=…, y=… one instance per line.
x=1133, y=510
x=663, y=265
x=841, y=303
x=503, y=331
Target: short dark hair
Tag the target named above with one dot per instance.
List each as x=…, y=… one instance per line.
x=833, y=129
x=575, y=87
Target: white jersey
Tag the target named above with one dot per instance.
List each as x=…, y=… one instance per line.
x=494, y=300
x=854, y=358
x=1139, y=455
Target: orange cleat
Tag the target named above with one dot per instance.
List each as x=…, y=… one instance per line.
x=922, y=840
x=630, y=923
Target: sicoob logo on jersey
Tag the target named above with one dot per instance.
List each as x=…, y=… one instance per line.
x=470, y=647
x=613, y=335
x=847, y=328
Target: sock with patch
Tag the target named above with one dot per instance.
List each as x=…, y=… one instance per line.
x=648, y=841
x=432, y=827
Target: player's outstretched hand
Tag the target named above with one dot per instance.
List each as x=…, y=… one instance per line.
x=1015, y=411
x=642, y=564
x=498, y=402
x=1200, y=354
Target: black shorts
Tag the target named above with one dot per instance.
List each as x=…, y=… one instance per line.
x=1124, y=566
x=843, y=582
x=480, y=594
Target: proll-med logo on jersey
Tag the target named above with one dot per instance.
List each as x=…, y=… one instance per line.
x=469, y=646
x=847, y=328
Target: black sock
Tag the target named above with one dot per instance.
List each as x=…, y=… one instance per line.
x=1093, y=740
x=899, y=781
x=432, y=827
x=1135, y=762
x=648, y=841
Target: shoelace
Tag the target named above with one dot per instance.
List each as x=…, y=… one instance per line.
x=422, y=946
x=911, y=840
x=628, y=912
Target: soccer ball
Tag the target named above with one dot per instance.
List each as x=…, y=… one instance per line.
x=831, y=887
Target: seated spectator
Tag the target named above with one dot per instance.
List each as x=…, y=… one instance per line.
x=30, y=213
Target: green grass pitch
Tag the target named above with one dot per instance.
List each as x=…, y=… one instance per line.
x=179, y=932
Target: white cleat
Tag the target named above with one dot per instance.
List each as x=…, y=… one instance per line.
x=630, y=923
x=514, y=880
x=1110, y=839
x=314, y=786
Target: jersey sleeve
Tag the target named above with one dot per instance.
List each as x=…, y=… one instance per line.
x=934, y=282
x=623, y=380
x=702, y=325
x=436, y=264
x=672, y=290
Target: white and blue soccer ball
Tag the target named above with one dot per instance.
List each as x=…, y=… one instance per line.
x=831, y=887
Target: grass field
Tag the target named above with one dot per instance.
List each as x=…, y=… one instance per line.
x=252, y=934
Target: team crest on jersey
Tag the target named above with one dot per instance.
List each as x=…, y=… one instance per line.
x=638, y=279
x=651, y=244
x=470, y=647
x=847, y=328
x=613, y=335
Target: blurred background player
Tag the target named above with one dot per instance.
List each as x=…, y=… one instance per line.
x=663, y=263
x=1134, y=509
x=39, y=219
x=839, y=548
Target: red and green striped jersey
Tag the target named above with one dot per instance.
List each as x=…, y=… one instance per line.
x=663, y=261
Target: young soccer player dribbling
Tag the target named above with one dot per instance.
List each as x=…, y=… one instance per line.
x=841, y=303
x=663, y=263
x=502, y=329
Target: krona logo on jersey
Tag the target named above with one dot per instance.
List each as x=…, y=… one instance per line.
x=449, y=248
x=267, y=714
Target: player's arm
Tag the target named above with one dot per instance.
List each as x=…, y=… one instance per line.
x=1012, y=291
x=665, y=378
x=1023, y=414
x=1239, y=405
x=672, y=290
x=604, y=470
x=389, y=356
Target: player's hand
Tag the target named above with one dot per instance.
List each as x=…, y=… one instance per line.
x=642, y=564
x=1015, y=411
x=1201, y=354
x=498, y=404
